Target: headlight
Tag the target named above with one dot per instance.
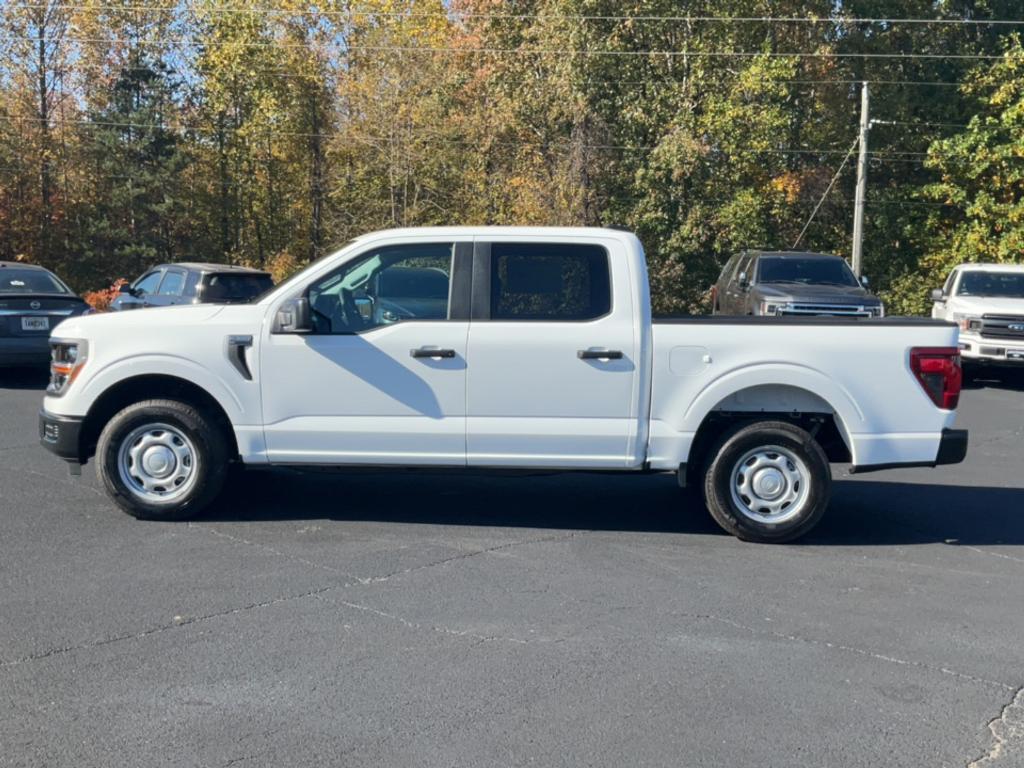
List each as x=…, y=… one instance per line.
x=770, y=307
x=67, y=356
x=967, y=322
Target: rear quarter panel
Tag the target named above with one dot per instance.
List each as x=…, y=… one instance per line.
x=858, y=370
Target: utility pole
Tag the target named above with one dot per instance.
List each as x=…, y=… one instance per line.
x=862, y=181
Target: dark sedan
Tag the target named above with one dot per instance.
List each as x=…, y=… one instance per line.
x=33, y=301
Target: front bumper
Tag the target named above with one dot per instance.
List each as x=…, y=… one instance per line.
x=25, y=351
x=952, y=450
x=974, y=348
x=60, y=435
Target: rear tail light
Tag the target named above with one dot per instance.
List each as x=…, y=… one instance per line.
x=937, y=369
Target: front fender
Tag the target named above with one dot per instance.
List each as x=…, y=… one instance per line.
x=123, y=368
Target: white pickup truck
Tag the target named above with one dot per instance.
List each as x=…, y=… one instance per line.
x=987, y=302
x=479, y=347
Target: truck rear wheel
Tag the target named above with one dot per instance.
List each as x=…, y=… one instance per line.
x=162, y=460
x=768, y=481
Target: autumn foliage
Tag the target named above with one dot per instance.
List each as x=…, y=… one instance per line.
x=100, y=300
x=269, y=132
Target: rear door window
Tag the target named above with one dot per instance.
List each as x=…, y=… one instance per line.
x=236, y=287
x=548, y=281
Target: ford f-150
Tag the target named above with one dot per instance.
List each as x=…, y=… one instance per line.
x=511, y=348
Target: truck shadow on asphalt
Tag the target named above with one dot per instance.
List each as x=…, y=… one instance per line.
x=863, y=512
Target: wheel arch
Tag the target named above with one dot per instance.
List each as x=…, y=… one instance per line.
x=147, y=387
x=825, y=411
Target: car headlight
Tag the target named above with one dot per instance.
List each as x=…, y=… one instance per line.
x=770, y=307
x=967, y=322
x=67, y=356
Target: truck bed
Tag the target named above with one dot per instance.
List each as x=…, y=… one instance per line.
x=855, y=370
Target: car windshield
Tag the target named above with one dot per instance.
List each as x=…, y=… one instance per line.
x=15, y=280
x=237, y=288
x=828, y=271
x=1008, y=285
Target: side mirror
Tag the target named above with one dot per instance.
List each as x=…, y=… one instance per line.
x=938, y=295
x=744, y=282
x=126, y=288
x=864, y=280
x=293, y=317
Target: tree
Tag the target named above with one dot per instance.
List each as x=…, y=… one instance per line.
x=978, y=201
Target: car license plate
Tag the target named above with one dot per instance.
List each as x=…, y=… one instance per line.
x=1015, y=354
x=35, y=323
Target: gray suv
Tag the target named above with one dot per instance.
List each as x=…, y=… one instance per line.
x=792, y=283
x=193, y=283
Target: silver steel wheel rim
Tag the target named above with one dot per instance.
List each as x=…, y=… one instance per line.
x=770, y=484
x=157, y=463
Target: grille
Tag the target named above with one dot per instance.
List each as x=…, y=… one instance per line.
x=1002, y=327
x=850, y=310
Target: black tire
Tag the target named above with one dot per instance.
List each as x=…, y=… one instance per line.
x=730, y=450
x=209, y=444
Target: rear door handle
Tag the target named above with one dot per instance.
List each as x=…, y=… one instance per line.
x=432, y=352
x=599, y=354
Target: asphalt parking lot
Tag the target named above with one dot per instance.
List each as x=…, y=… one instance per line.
x=411, y=620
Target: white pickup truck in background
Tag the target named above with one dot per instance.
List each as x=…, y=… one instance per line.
x=479, y=347
x=987, y=302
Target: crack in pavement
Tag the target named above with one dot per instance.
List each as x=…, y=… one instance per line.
x=859, y=651
x=433, y=627
x=467, y=555
x=184, y=622
x=988, y=552
x=178, y=623
x=52, y=479
x=1007, y=733
x=277, y=552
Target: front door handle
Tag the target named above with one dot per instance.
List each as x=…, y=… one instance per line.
x=432, y=352
x=599, y=354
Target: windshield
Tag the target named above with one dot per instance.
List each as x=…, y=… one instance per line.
x=829, y=271
x=998, y=284
x=16, y=280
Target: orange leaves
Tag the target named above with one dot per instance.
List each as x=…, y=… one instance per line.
x=100, y=300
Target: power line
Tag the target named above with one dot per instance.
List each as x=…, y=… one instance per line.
x=824, y=194
x=345, y=48
x=452, y=14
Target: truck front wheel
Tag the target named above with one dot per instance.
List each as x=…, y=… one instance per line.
x=162, y=459
x=767, y=482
